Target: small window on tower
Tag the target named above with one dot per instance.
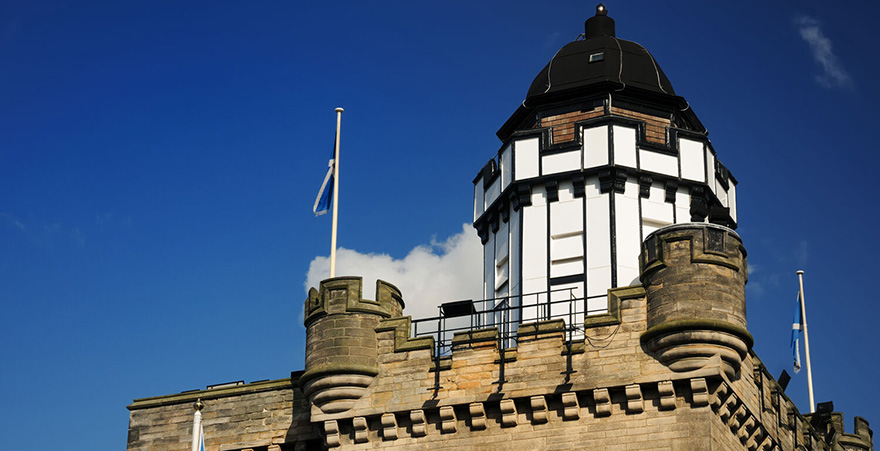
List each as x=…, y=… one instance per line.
x=596, y=57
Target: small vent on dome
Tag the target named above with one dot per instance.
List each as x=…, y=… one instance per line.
x=596, y=57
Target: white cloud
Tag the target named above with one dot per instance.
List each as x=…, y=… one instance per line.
x=429, y=275
x=833, y=74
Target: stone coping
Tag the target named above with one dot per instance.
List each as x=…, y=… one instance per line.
x=691, y=226
x=215, y=393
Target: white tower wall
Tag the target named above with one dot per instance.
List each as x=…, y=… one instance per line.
x=568, y=221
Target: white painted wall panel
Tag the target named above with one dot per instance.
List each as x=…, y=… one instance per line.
x=598, y=280
x=710, y=170
x=506, y=166
x=649, y=226
x=591, y=187
x=654, y=211
x=657, y=193
x=595, y=146
x=567, y=247
x=501, y=277
x=525, y=158
x=598, y=232
x=692, y=160
x=566, y=191
x=479, y=202
x=566, y=217
x=624, y=146
x=658, y=162
x=539, y=196
x=561, y=268
x=502, y=239
x=597, y=305
x=655, y=208
x=562, y=307
x=535, y=239
x=534, y=296
x=492, y=192
x=682, y=205
x=721, y=193
x=566, y=234
x=489, y=268
x=501, y=242
x=598, y=238
x=515, y=259
x=561, y=162
x=628, y=233
x=731, y=198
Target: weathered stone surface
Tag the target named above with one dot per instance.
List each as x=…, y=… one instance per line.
x=617, y=393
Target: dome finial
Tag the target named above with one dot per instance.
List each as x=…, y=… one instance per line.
x=599, y=25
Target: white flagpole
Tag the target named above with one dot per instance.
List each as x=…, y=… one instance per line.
x=806, y=342
x=339, y=111
x=197, y=425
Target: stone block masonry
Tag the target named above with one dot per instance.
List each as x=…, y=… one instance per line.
x=661, y=373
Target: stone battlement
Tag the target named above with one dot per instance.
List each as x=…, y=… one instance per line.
x=668, y=366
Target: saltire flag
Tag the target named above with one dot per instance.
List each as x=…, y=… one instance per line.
x=797, y=326
x=201, y=437
x=325, y=194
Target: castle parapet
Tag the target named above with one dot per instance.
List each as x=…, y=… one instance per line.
x=694, y=277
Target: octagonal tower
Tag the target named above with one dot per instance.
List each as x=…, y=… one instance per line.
x=600, y=154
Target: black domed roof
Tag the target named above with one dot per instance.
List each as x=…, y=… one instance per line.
x=596, y=65
x=599, y=59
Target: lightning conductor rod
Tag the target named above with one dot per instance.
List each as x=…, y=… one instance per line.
x=339, y=111
x=806, y=343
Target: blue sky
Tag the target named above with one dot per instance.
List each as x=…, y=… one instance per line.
x=159, y=162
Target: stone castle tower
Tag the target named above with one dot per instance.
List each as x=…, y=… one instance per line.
x=614, y=312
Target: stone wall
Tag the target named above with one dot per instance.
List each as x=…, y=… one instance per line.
x=608, y=390
x=269, y=415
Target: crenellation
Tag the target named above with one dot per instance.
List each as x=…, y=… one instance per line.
x=665, y=363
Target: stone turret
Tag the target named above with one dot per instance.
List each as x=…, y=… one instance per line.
x=341, y=342
x=694, y=277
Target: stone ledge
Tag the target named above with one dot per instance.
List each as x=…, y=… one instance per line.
x=336, y=368
x=698, y=324
x=216, y=393
x=489, y=334
x=531, y=330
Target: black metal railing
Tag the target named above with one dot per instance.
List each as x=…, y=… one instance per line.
x=506, y=314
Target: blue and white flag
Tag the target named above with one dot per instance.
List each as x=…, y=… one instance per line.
x=797, y=326
x=201, y=437
x=325, y=194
